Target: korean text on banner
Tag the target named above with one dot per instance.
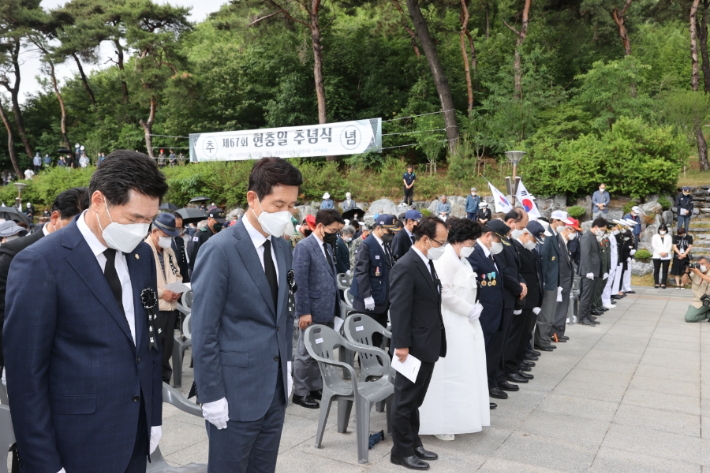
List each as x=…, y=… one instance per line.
x=327, y=139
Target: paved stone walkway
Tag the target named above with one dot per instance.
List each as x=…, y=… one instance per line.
x=630, y=395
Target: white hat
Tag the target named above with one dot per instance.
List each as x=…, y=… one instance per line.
x=631, y=223
x=82, y=147
x=562, y=216
x=326, y=196
x=9, y=228
x=483, y=204
x=636, y=209
x=619, y=222
x=348, y=195
x=546, y=225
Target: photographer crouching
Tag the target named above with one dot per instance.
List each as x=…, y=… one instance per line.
x=699, y=309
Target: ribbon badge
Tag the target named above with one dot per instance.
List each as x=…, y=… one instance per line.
x=292, y=288
x=150, y=300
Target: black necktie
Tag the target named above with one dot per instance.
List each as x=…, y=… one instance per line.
x=327, y=255
x=433, y=271
x=412, y=237
x=270, y=271
x=112, y=276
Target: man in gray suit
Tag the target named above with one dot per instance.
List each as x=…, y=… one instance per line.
x=590, y=268
x=566, y=272
x=242, y=328
x=317, y=300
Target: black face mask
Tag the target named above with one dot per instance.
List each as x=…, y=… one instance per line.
x=387, y=237
x=217, y=227
x=330, y=238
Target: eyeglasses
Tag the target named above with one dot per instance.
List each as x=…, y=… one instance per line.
x=438, y=242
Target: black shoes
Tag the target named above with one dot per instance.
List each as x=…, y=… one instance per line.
x=587, y=321
x=306, y=401
x=516, y=378
x=528, y=363
x=563, y=337
x=630, y=292
x=413, y=463
x=545, y=348
x=531, y=358
x=423, y=454
x=534, y=353
x=526, y=375
x=524, y=368
x=506, y=386
x=493, y=405
x=497, y=393
x=317, y=395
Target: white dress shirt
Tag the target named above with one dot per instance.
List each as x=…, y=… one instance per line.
x=379, y=240
x=320, y=243
x=258, y=240
x=486, y=251
x=44, y=229
x=121, y=268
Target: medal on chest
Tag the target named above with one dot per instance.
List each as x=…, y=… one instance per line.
x=484, y=283
x=378, y=273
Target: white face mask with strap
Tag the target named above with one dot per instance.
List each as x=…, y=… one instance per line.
x=122, y=237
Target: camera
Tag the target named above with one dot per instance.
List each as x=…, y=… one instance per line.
x=693, y=266
x=705, y=299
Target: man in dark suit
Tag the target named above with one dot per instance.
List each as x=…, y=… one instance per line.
x=370, y=286
x=590, y=269
x=83, y=368
x=241, y=326
x=178, y=246
x=490, y=295
x=566, y=235
x=404, y=238
x=417, y=330
x=317, y=300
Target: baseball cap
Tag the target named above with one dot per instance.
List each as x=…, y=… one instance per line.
x=217, y=214
x=326, y=196
x=413, y=215
x=473, y=189
x=311, y=221
x=9, y=228
x=483, y=204
x=636, y=209
x=499, y=227
x=562, y=216
x=536, y=229
x=166, y=222
x=686, y=188
x=574, y=224
x=385, y=220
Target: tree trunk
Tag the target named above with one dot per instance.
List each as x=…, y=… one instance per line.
x=14, y=93
x=409, y=31
x=85, y=81
x=702, y=150
x=148, y=126
x=318, y=65
x=124, y=86
x=488, y=23
x=63, y=120
x=620, y=19
x=10, y=141
x=437, y=72
x=695, y=74
x=517, y=62
x=463, y=34
x=703, y=38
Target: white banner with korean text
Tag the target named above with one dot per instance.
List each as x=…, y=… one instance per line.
x=328, y=139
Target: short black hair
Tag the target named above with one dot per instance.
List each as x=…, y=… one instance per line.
x=516, y=214
x=328, y=216
x=71, y=202
x=355, y=224
x=463, y=229
x=681, y=231
x=427, y=227
x=123, y=171
x=600, y=222
x=270, y=172
x=663, y=227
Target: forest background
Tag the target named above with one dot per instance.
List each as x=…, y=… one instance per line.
x=593, y=90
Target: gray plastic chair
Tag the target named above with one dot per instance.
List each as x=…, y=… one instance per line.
x=359, y=329
x=321, y=343
x=346, y=304
x=3, y=395
x=344, y=281
x=184, y=340
x=157, y=463
x=7, y=434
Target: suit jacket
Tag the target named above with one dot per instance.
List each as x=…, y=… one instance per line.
x=240, y=341
x=342, y=256
x=372, y=268
x=317, y=293
x=566, y=266
x=74, y=374
x=529, y=272
x=178, y=246
x=550, y=255
x=573, y=248
x=401, y=243
x=509, y=265
x=7, y=253
x=590, y=261
x=416, y=317
x=489, y=295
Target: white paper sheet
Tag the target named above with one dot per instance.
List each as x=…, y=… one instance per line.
x=337, y=323
x=409, y=369
x=177, y=287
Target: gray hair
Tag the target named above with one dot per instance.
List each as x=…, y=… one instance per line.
x=202, y=225
x=347, y=230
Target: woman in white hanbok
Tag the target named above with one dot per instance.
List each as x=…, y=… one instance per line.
x=457, y=401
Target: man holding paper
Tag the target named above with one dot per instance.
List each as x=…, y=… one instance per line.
x=417, y=332
x=160, y=240
x=684, y=203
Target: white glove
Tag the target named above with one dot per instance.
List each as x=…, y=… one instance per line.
x=517, y=312
x=216, y=413
x=62, y=471
x=347, y=272
x=156, y=433
x=369, y=303
x=475, y=312
x=632, y=252
x=4, y=378
x=289, y=378
x=559, y=294
x=606, y=276
x=590, y=276
x=537, y=310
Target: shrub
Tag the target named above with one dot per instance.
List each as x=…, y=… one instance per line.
x=643, y=255
x=629, y=205
x=665, y=203
x=426, y=213
x=576, y=211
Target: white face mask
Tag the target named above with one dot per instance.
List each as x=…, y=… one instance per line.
x=435, y=253
x=530, y=245
x=703, y=268
x=571, y=236
x=466, y=251
x=122, y=237
x=273, y=223
x=615, y=232
x=515, y=234
x=496, y=247
x=165, y=242
x=662, y=232
x=347, y=239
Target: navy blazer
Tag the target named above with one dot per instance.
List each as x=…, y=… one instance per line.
x=550, y=255
x=371, y=276
x=317, y=293
x=240, y=341
x=508, y=263
x=490, y=296
x=74, y=374
x=401, y=243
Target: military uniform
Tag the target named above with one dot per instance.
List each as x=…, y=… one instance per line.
x=605, y=255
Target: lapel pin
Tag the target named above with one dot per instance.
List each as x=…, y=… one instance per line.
x=137, y=257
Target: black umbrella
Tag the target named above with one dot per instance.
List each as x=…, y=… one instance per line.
x=354, y=214
x=200, y=198
x=11, y=213
x=168, y=207
x=192, y=215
